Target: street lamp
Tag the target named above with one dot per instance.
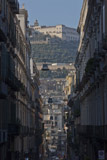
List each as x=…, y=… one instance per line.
x=45, y=67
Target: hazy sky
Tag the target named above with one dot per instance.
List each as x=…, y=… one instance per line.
x=53, y=12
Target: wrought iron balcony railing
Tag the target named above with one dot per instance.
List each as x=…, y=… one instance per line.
x=13, y=82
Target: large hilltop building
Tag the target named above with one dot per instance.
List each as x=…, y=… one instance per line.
x=61, y=31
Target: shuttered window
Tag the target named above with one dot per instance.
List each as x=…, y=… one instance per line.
x=4, y=63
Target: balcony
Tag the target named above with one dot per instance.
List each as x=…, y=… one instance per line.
x=91, y=73
x=3, y=90
x=17, y=129
x=14, y=129
x=14, y=5
x=16, y=84
x=8, y=71
x=13, y=82
x=92, y=131
x=11, y=33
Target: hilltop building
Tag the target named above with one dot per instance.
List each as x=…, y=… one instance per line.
x=60, y=31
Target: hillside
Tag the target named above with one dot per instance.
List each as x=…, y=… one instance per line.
x=55, y=50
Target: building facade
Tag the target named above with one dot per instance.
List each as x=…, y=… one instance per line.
x=18, y=87
x=54, y=130
x=91, y=67
x=70, y=81
x=60, y=31
x=72, y=115
x=53, y=115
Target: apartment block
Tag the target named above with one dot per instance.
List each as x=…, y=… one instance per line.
x=87, y=122
x=18, y=87
x=91, y=67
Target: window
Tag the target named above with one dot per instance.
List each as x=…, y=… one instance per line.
x=51, y=117
x=55, y=117
x=55, y=123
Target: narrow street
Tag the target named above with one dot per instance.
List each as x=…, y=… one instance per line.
x=55, y=137
x=53, y=80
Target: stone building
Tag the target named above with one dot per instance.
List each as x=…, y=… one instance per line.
x=9, y=83
x=70, y=81
x=18, y=89
x=54, y=129
x=72, y=115
x=60, y=31
x=91, y=67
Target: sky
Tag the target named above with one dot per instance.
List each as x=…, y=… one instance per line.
x=54, y=12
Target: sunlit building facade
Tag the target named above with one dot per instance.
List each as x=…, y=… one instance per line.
x=60, y=31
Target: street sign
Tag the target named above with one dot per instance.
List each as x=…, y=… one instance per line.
x=101, y=155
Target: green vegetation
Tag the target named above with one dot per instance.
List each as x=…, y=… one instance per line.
x=55, y=51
